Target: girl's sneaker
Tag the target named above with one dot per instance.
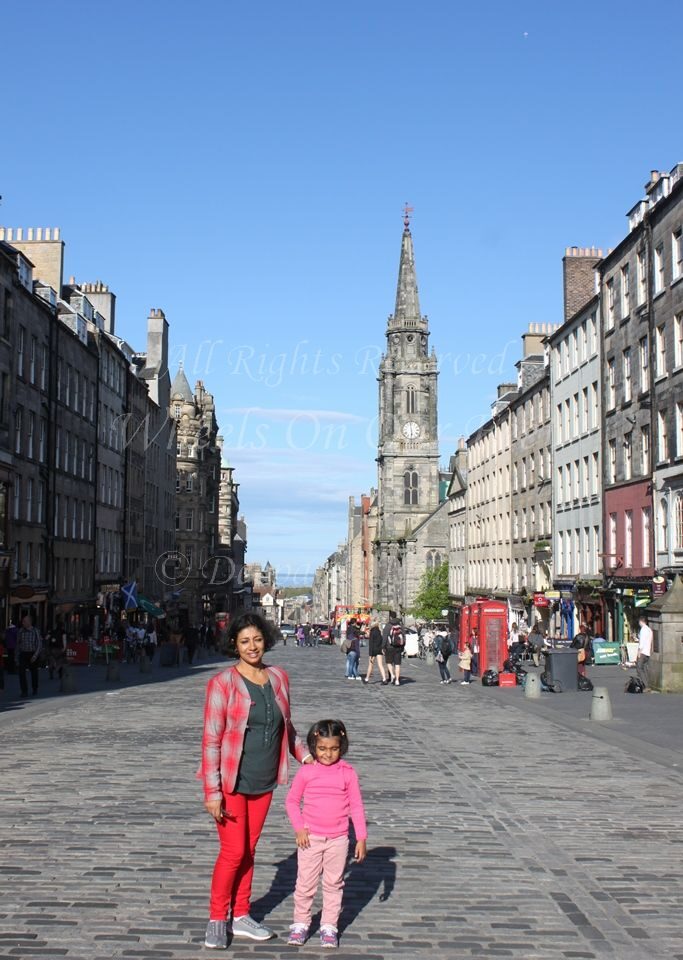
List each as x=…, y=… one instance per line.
x=298, y=935
x=329, y=937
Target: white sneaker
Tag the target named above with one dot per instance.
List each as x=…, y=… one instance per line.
x=464, y=683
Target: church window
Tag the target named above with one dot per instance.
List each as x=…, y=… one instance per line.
x=177, y=410
x=411, y=399
x=410, y=488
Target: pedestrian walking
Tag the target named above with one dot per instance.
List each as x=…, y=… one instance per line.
x=644, y=651
x=29, y=648
x=352, y=645
x=330, y=793
x=375, y=654
x=393, y=642
x=56, y=651
x=474, y=647
x=442, y=652
x=248, y=736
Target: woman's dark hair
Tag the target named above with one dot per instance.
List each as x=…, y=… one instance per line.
x=248, y=619
x=328, y=728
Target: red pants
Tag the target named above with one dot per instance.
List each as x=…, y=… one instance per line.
x=238, y=835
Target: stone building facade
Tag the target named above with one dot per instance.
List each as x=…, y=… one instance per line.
x=457, y=526
x=642, y=376
x=408, y=491
x=198, y=477
x=8, y=279
x=575, y=375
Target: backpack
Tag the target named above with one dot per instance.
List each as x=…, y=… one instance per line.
x=396, y=638
x=446, y=649
x=634, y=685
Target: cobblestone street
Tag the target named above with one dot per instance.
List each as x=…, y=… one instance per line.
x=495, y=829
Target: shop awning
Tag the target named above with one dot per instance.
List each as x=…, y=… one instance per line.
x=149, y=607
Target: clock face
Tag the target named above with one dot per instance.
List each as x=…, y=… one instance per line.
x=411, y=430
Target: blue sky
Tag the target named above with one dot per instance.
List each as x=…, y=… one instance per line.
x=243, y=166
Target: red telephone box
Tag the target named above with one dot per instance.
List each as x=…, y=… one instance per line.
x=489, y=619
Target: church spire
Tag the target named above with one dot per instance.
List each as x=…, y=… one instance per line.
x=407, y=310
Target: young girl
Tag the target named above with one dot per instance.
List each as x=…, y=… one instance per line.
x=331, y=794
x=465, y=664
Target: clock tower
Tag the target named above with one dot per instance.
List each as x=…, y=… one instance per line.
x=408, y=448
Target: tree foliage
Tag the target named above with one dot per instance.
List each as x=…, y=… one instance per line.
x=432, y=597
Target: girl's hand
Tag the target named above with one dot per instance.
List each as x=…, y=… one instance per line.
x=361, y=851
x=302, y=840
x=215, y=808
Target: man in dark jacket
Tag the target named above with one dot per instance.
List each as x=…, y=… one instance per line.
x=393, y=642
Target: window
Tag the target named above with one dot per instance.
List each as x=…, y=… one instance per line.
x=411, y=399
x=584, y=341
x=41, y=440
x=575, y=415
x=625, y=291
x=612, y=538
x=17, y=498
x=645, y=449
x=595, y=475
x=559, y=485
x=628, y=455
x=678, y=340
x=177, y=484
x=18, y=420
x=30, y=435
x=628, y=385
x=594, y=333
x=660, y=351
x=644, y=366
x=610, y=304
x=585, y=477
x=679, y=428
x=33, y=356
x=678, y=523
x=21, y=349
x=646, y=525
x=584, y=410
x=55, y=524
x=659, y=268
x=189, y=519
x=662, y=437
x=43, y=368
x=628, y=539
x=577, y=481
x=663, y=526
x=641, y=279
x=560, y=551
x=177, y=410
x=188, y=482
x=595, y=405
x=558, y=422
x=40, y=506
x=410, y=488
x=612, y=460
x=677, y=253
x=611, y=389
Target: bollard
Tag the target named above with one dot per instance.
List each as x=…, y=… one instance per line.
x=145, y=664
x=532, y=686
x=113, y=671
x=601, y=707
x=67, y=684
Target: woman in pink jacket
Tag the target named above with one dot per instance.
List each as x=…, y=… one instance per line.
x=248, y=736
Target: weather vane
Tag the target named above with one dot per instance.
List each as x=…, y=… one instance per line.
x=407, y=211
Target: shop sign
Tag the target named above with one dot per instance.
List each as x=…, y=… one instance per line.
x=552, y=594
x=78, y=652
x=606, y=652
x=540, y=600
x=658, y=586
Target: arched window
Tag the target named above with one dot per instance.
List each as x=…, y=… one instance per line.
x=678, y=523
x=411, y=399
x=663, y=526
x=410, y=488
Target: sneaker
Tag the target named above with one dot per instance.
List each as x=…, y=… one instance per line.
x=328, y=937
x=357, y=678
x=216, y=937
x=248, y=927
x=464, y=683
x=298, y=934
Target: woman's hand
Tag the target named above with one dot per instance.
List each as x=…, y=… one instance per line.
x=302, y=840
x=361, y=851
x=215, y=808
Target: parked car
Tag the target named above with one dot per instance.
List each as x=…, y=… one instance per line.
x=323, y=632
x=288, y=630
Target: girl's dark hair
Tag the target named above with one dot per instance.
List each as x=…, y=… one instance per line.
x=248, y=619
x=328, y=728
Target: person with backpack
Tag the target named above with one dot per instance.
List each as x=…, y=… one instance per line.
x=351, y=647
x=443, y=649
x=394, y=640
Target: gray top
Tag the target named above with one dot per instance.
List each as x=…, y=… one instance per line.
x=262, y=742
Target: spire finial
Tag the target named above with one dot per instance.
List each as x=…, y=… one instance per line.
x=407, y=212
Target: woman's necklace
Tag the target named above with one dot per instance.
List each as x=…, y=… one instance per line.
x=257, y=675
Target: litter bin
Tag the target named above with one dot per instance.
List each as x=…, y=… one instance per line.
x=562, y=667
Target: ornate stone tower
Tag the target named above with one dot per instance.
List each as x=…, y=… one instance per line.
x=408, y=450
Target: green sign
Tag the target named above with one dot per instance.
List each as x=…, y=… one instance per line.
x=606, y=652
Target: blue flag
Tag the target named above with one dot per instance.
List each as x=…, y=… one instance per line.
x=129, y=592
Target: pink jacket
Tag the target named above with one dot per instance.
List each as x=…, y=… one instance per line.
x=226, y=714
x=331, y=794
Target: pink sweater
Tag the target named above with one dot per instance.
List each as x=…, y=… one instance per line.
x=331, y=794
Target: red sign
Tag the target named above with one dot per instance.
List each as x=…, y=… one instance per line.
x=78, y=653
x=540, y=600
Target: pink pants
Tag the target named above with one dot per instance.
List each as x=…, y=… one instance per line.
x=326, y=856
x=238, y=834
